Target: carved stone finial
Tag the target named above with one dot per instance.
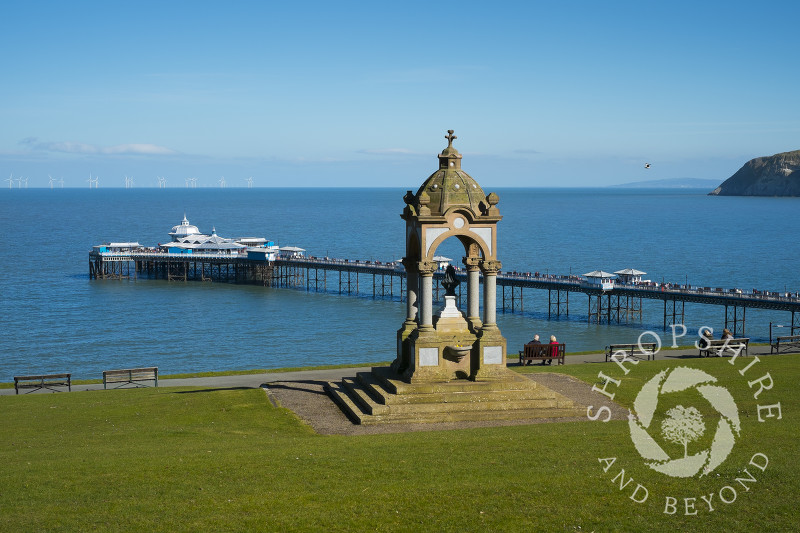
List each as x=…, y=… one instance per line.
x=450, y=138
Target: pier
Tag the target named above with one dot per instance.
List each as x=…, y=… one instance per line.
x=620, y=304
x=228, y=268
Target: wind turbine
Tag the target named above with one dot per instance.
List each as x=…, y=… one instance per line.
x=51, y=181
x=162, y=182
x=222, y=182
x=10, y=181
x=250, y=182
x=61, y=180
x=93, y=181
x=128, y=182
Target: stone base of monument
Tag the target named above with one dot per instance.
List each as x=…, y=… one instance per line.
x=381, y=396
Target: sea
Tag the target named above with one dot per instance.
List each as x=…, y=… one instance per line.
x=53, y=318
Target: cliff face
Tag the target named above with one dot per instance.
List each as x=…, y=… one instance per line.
x=777, y=175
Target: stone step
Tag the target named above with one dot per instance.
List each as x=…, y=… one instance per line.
x=341, y=396
x=377, y=390
x=375, y=387
x=501, y=402
x=376, y=397
x=360, y=396
x=355, y=412
x=394, y=385
x=461, y=416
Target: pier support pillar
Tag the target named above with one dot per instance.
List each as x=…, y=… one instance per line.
x=735, y=319
x=557, y=302
x=673, y=313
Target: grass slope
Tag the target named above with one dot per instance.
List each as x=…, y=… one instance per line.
x=172, y=459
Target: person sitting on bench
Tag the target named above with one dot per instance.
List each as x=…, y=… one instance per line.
x=705, y=337
x=534, y=341
x=553, y=350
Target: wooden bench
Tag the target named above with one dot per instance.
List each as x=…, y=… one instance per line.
x=644, y=350
x=789, y=342
x=43, y=381
x=719, y=347
x=542, y=352
x=130, y=376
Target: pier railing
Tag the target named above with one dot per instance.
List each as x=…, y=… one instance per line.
x=387, y=279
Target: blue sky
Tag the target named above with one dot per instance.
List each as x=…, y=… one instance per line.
x=361, y=93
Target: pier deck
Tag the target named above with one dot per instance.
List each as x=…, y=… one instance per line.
x=620, y=304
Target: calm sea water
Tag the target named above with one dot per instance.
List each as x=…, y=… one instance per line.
x=54, y=319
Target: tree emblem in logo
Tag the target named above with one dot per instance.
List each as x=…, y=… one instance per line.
x=683, y=425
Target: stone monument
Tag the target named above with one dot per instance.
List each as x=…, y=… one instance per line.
x=450, y=365
x=450, y=204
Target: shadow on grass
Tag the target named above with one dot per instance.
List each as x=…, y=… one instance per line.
x=211, y=390
x=297, y=385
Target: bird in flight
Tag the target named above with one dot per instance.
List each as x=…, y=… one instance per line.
x=647, y=165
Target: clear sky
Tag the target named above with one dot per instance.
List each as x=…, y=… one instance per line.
x=361, y=93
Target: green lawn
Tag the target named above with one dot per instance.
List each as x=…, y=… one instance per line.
x=171, y=459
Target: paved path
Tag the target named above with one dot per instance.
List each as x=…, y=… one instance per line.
x=256, y=380
x=249, y=381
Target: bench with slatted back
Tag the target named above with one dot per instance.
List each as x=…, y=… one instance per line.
x=789, y=343
x=130, y=376
x=542, y=352
x=642, y=350
x=42, y=381
x=722, y=347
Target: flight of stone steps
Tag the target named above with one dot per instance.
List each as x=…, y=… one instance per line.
x=380, y=397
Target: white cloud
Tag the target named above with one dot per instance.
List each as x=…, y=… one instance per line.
x=387, y=151
x=70, y=147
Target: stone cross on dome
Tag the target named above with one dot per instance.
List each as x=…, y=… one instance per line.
x=450, y=138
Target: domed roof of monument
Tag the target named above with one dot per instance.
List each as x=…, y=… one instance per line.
x=450, y=186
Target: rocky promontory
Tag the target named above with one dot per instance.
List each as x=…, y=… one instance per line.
x=776, y=175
